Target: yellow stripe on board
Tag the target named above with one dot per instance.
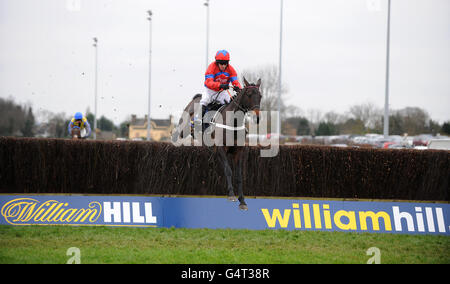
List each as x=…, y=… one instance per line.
x=88, y=225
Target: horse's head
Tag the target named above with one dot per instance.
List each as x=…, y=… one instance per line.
x=76, y=132
x=251, y=97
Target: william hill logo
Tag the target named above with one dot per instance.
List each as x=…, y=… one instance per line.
x=28, y=211
x=23, y=211
x=422, y=219
x=189, y=212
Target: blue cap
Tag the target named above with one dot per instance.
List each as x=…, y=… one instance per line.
x=78, y=115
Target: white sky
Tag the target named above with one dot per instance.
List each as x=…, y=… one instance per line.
x=333, y=52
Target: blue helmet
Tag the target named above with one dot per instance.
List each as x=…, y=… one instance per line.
x=78, y=115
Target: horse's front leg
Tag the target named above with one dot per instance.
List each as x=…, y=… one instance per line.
x=238, y=171
x=228, y=173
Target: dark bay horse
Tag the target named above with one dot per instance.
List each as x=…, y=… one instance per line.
x=247, y=100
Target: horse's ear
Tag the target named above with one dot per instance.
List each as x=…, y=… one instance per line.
x=258, y=83
x=246, y=82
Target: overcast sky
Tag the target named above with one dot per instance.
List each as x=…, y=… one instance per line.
x=333, y=52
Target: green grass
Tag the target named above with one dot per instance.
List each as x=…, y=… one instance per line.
x=49, y=244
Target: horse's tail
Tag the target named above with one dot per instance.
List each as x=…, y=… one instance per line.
x=197, y=96
x=178, y=132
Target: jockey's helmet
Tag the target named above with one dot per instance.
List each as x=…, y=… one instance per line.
x=222, y=56
x=78, y=115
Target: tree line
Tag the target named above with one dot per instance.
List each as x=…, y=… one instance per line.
x=359, y=119
x=20, y=121
x=365, y=118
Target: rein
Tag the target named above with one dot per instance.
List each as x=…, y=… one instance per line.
x=243, y=109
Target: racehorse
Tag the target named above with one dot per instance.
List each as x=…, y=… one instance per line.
x=247, y=100
x=75, y=132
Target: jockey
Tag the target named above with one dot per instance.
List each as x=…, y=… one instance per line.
x=80, y=121
x=217, y=77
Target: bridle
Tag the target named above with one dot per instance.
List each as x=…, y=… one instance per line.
x=242, y=108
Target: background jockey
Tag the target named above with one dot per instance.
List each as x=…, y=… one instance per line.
x=217, y=78
x=82, y=122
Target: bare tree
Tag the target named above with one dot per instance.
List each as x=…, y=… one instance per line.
x=12, y=117
x=269, y=91
x=333, y=117
x=414, y=120
x=368, y=113
x=314, y=116
x=269, y=86
x=51, y=124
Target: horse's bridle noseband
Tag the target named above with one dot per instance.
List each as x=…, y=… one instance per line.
x=245, y=109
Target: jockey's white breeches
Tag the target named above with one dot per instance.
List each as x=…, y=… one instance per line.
x=209, y=96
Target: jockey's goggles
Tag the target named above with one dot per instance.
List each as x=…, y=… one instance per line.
x=222, y=62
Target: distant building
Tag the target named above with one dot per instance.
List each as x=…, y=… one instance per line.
x=160, y=129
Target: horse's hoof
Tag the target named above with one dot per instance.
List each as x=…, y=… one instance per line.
x=243, y=207
x=232, y=198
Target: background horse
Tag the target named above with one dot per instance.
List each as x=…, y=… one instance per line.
x=75, y=132
x=246, y=100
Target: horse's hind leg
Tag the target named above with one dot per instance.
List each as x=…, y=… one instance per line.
x=228, y=173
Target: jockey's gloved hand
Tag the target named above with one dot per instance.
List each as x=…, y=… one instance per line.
x=236, y=89
x=224, y=86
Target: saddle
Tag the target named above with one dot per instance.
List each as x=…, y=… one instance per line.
x=214, y=106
